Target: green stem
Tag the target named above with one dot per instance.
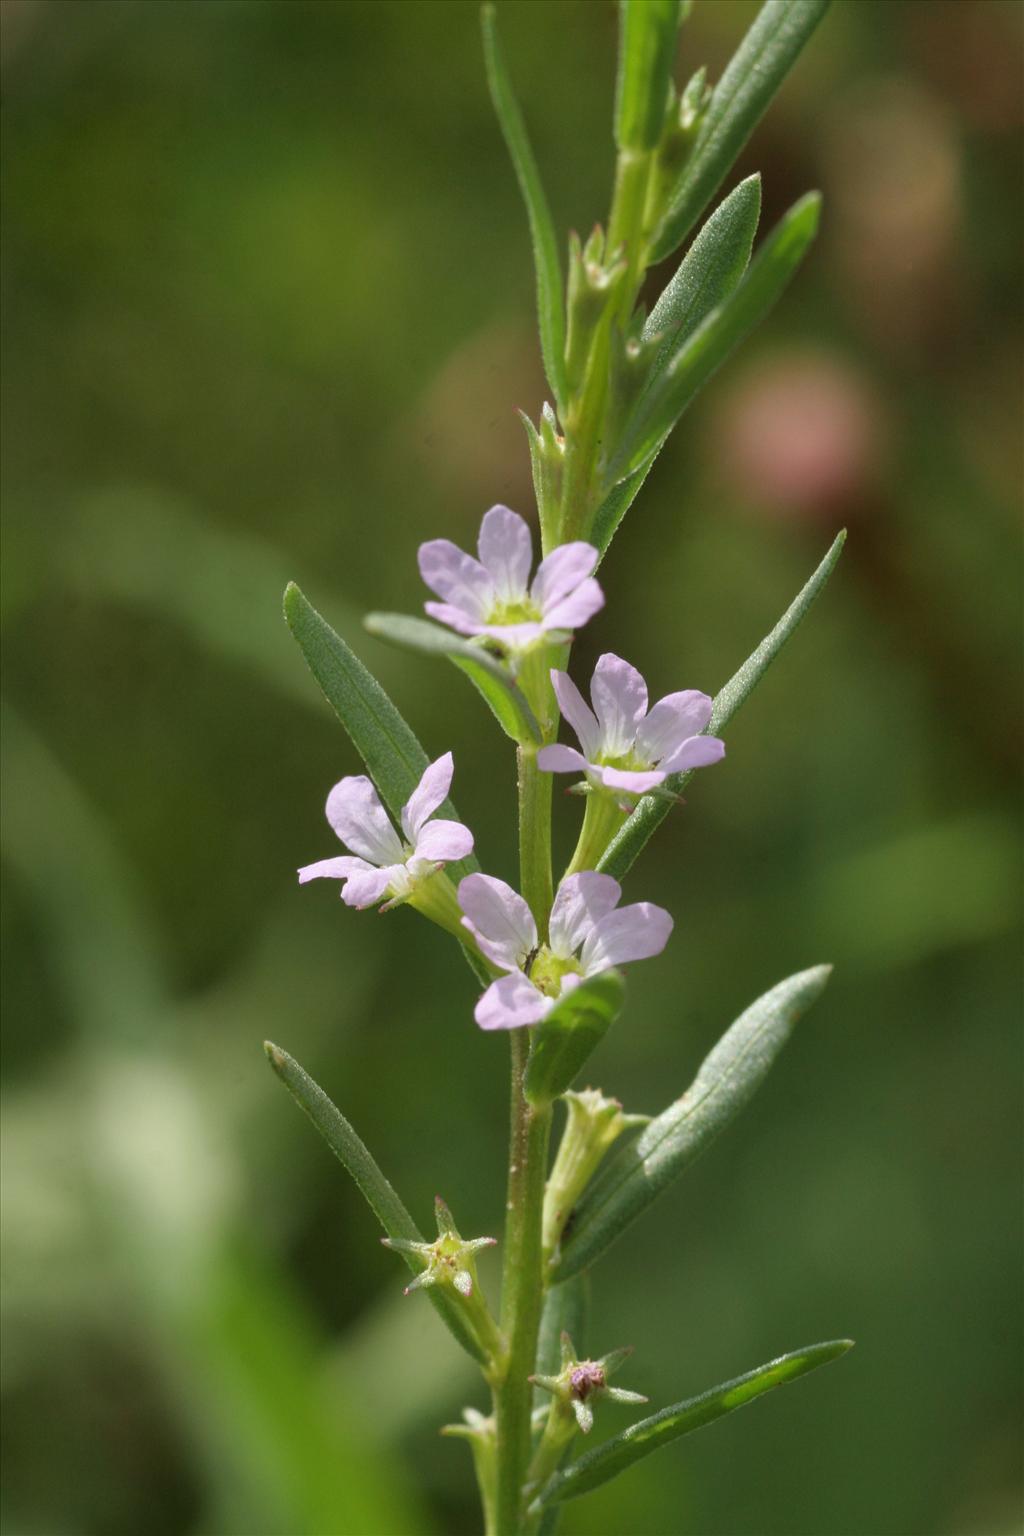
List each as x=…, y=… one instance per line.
x=583, y=438
x=601, y=821
x=535, y=837
x=626, y=221
x=522, y=1285
x=521, y=1292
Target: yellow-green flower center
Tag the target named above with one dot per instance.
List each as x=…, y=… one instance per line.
x=548, y=971
x=521, y=612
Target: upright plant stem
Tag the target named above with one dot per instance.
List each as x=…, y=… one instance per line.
x=521, y=1290
x=535, y=837
x=522, y=1277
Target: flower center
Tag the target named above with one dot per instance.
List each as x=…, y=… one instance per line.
x=628, y=762
x=548, y=971
x=588, y=1376
x=521, y=612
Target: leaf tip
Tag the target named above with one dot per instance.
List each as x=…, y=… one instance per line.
x=293, y=598
x=278, y=1059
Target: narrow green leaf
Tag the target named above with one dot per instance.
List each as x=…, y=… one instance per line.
x=563, y=1041
x=639, y=1440
x=709, y=272
x=380, y=735
x=751, y=79
x=616, y=504
x=349, y=1149
x=550, y=312
x=647, y=53
x=727, y=1080
x=651, y=812
x=702, y=353
x=491, y=679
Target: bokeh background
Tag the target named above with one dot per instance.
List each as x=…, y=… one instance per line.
x=268, y=312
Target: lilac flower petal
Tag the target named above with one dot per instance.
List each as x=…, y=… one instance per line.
x=456, y=576
x=582, y=901
x=561, y=760
x=573, y=611
x=630, y=933
x=506, y=551
x=332, y=869
x=577, y=712
x=366, y=889
x=698, y=752
x=635, y=781
x=429, y=793
x=455, y=618
x=672, y=721
x=443, y=842
x=619, y=696
x=561, y=573
x=359, y=819
x=499, y=919
x=510, y=1003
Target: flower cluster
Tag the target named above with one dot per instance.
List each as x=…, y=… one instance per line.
x=626, y=750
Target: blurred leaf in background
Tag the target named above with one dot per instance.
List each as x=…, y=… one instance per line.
x=268, y=312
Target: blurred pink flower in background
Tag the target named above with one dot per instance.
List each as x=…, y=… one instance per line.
x=800, y=434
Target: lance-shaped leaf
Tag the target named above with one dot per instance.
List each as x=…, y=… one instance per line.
x=753, y=75
x=376, y=1189
x=651, y=811
x=386, y=744
x=550, y=312
x=623, y=1451
x=701, y=354
x=616, y=504
x=488, y=676
x=647, y=52
x=564, y=1040
x=727, y=1080
x=709, y=272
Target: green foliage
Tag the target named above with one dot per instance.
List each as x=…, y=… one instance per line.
x=647, y=51
x=384, y=741
x=488, y=676
x=548, y=267
x=651, y=811
x=564, y=1040
x=754, y=74
x=726, y=1082
x=625, y=1450
x=708, y=273
x=349, y=1149
x=699, y=355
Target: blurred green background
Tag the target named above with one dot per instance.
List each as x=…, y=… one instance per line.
x=268, y=311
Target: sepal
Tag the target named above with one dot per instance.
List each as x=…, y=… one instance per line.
x=450, y=1262
x=581, y=1383
x=594, y=1122
x=678, y=137
x=594, y=277
x=547, y=461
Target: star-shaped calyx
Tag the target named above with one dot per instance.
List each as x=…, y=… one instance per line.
x=580, y=1383
x=449, y=1260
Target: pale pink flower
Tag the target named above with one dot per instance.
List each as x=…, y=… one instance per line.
x=587, y=935
x=625, y=746
x=493, y=596
x=386, y=865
